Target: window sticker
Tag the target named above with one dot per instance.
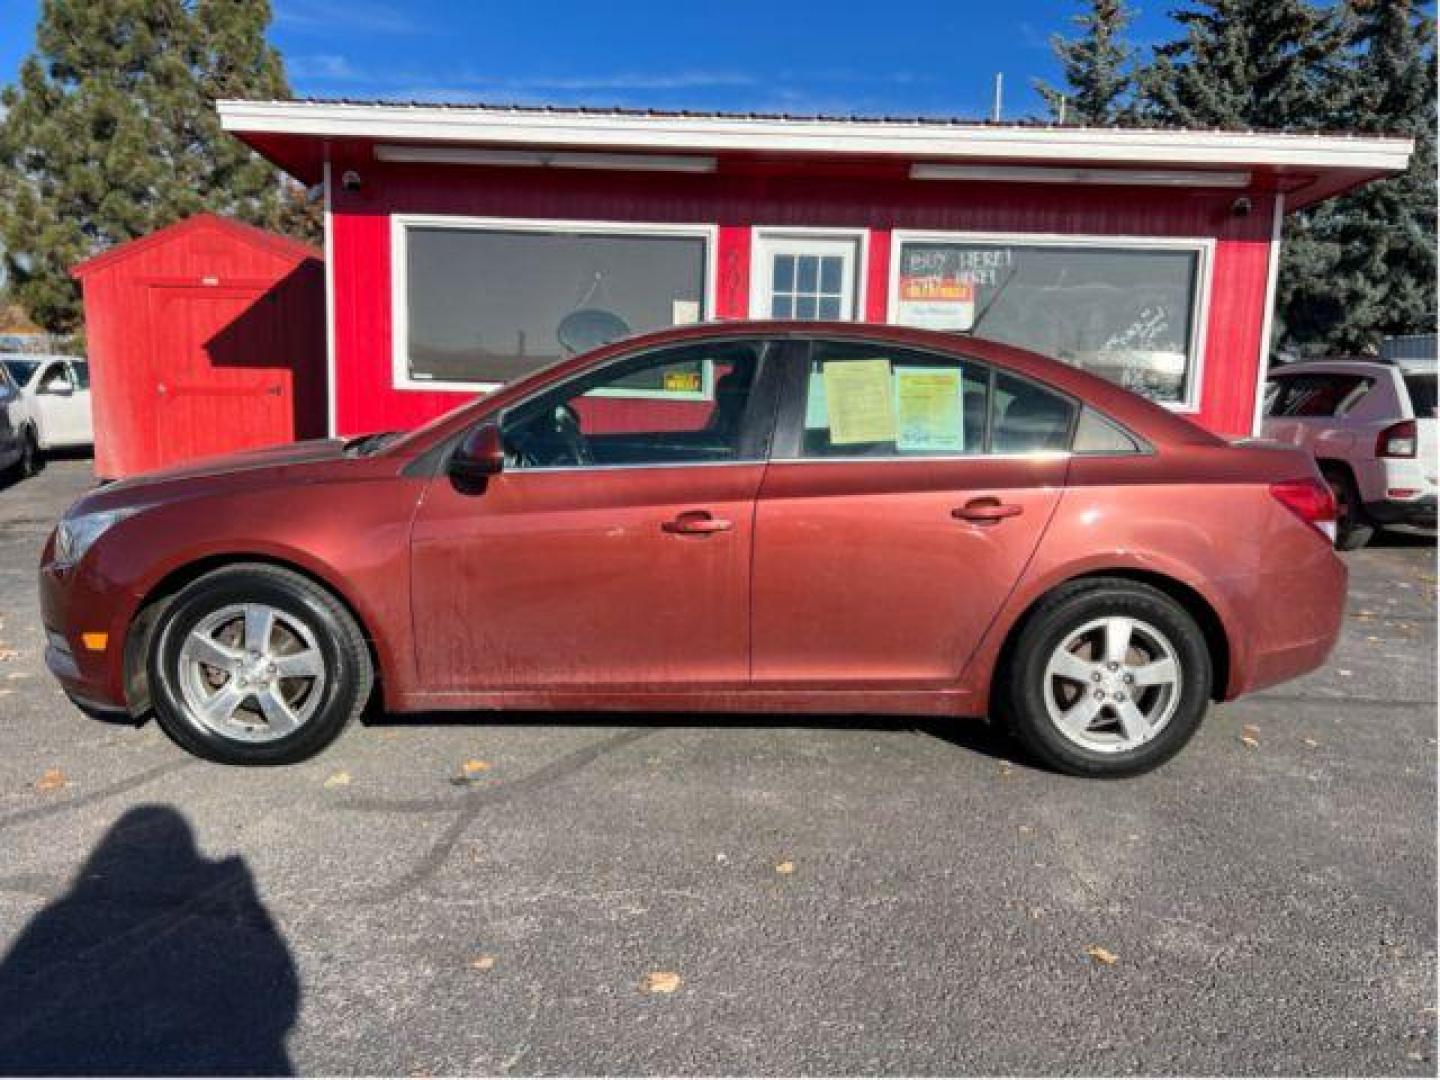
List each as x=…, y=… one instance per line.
x=817, y=412
x=929, y=412
x=860, y=401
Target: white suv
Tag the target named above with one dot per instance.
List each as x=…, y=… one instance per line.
x=1371, y=426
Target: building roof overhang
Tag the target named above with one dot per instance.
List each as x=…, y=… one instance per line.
x=298, y=136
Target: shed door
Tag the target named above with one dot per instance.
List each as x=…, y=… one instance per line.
x=224, y=383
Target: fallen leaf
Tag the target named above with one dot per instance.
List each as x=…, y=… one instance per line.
x=1027, y=829
x=51, y=780
x=661, y=982
x=1250, y=741
x=483, y=963
x=1101, y=955
x=474, y=767
x=7, y=653
x=339, y=779
x=1310, y=743
x=786, y=867
x=1250, y=736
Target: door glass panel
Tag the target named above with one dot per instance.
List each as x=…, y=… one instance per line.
x=784, y=273
x=782, y=308
x=599, y=420
x=831, y=271
x=829, y=307
x=805, y=307
x=807, y=279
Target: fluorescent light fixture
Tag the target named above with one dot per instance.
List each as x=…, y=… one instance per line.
x=1042, y=174
x=557, y=159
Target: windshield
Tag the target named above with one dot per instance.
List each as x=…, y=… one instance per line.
x=21, y=370
x=1422, y=394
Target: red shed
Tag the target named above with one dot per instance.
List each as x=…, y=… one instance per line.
x=468, y=244
x=204, y=337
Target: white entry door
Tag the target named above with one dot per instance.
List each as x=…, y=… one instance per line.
x=799, y=276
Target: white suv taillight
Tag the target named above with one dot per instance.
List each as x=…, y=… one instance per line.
x=1397, y=440
x=1310, y=500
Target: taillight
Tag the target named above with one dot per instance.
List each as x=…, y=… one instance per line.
x=1397, y=440
x=1310, y=500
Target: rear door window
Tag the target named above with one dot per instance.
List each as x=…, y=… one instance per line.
x=863, y=399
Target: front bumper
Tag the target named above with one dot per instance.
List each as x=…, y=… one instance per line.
x=73, y=603
x=1417, y=512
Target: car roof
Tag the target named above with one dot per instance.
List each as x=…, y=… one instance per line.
x=1153, y=422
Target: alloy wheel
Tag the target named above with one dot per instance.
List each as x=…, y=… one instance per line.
x=251, y=672
x=1112, y=685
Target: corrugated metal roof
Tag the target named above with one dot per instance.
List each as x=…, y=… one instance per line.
x=918, y=120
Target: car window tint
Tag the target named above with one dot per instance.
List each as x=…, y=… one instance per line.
x=683, y=405
x=869, y=400
x=1027, y=418
x=1096, y=434
x=1317, y=394
x=1422, y=394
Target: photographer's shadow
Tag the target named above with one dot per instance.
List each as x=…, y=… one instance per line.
x=157, y=961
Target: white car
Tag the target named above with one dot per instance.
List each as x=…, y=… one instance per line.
x=19, y=447
x=1371, y=426
x=57, y=391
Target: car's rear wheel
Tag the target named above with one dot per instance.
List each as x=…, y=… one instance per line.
x=1108, y=678
x=30, y=460
x=1353, y=529
x=257, y=665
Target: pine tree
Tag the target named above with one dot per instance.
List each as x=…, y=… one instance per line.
x=1097, y=64
x=111, y=132
x=1363, y=266
x=1243, y=64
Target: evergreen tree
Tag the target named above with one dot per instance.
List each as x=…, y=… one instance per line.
x=1097, y=64
x=1362, y=267
x=111, y=132
x=1243, y=64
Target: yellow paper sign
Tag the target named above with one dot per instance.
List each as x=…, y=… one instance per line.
x=682, y=381
x=927, y=404
x=858, y=398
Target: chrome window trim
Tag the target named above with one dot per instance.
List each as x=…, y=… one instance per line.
x=511, y=469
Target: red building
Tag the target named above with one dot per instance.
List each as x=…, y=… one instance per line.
x=470, y=244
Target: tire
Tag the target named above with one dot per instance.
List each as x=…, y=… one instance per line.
x=257, y=714
x=1353, y=529
x=1039, y=689
x=30, y=461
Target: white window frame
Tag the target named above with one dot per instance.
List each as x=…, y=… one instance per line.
x=765, y=240
x=400, y=224
x=1202, y=246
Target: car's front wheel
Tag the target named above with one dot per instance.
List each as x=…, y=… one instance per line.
x=1108, y=678
x=257, y=665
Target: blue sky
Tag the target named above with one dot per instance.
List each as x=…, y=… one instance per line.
x=870, y=57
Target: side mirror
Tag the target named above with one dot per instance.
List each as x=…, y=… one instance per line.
x=58, y=387
x=480, y=455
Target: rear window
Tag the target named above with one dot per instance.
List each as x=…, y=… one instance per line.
x=1422, y=394
x=1317, y=394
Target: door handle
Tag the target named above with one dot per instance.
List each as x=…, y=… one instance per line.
x=696, y=523
x=986, y=511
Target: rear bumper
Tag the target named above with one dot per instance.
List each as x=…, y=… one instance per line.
x=1419, y=512
x=1291, y=622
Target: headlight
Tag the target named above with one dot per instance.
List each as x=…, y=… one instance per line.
x=75, y=534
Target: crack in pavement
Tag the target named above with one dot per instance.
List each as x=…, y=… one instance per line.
x=476, y=800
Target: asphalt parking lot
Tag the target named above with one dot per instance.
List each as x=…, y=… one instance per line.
x=580, y=895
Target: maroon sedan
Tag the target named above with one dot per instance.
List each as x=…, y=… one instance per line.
x=776, y=517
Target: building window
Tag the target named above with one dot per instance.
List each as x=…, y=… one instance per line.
x=1128, y=311
x=489, y=302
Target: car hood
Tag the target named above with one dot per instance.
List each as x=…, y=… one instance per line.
x=268, y=457
x=223, y=472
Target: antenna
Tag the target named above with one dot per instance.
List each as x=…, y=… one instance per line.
x=999, y=91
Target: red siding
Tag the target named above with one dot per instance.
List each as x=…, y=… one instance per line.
x=366, y=400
